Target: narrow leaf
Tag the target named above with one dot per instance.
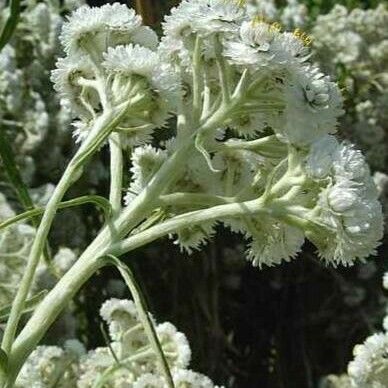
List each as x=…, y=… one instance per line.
x=141, y=305
x=11, y=23
x=101, y=202
x=29, y=305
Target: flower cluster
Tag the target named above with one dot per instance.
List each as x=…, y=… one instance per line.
x=128, y=361
x=111, y=64
x=273, y=142
x=352, y=46
x=30, y=112
x=294, y=14
x=369, y=367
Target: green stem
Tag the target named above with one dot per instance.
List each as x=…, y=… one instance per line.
x=197, y=80
x=189, y=219
x=18, y=184
x=193, y=199
x=34, y=257
x=47, y=311
x=222, y=71
x=95, y=199
x=144, y=316
x=71, y=174
x=130, y=217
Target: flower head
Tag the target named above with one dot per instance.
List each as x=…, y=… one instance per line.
x=97, y=28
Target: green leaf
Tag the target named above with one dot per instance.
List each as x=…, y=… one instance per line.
x=13, y=172
x=11, y=23
x=29, y=305
x=141, y=305
x=15, y=178
x=101, y=202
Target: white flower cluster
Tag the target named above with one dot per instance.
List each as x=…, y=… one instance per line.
x=293, y=14
x=30, y=112
x=288, y=104
x=111, y=63
x=369, y=368
x=352, y=46
x=129, y=361
x=348, y=203
x=50, y=366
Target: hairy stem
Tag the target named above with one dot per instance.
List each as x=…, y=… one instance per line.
x=138, y=210
x=116, y=172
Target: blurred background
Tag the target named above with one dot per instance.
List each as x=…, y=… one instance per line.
x=278, y=327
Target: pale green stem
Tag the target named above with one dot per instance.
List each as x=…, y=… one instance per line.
x=71, y=174
x=116, y=172
x=197, y=80
x=136, y=212
x=47, y=311
x=222, y=71
x=189, y=219
x=190, y=199
x=91, y=260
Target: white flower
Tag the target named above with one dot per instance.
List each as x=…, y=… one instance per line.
x=65, y=78
x=255, y=46
x=183, y=378
x=215, y=16
x=92, y=365
x=149, y=380
x=64, y=259
x=385, y=281
x=320, y=159
x=203, y=17
x=138, y=72
x=313, y=104
x=96, y=28
x=272, y=242
x=174, y=344
x=294, y=14
x=120, y=314
x=370, y=365
x=131, y=59
x=187, y=378
x=264, y=8
x=44, y=365
x=194, y=237
x=355, y=216
x=146, y=161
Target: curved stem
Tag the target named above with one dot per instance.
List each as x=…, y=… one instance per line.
x=111, y=233
x=144, y=316
x=188, y=220
x=94, y=199
x=34, y=257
